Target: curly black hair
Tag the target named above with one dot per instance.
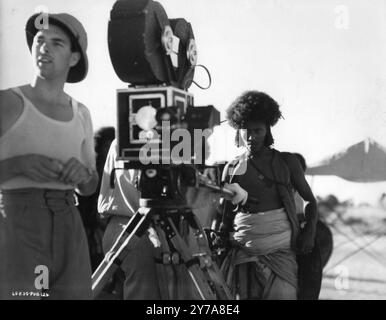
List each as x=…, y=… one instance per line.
x=253, y=105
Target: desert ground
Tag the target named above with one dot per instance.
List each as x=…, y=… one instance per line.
x=357, y=267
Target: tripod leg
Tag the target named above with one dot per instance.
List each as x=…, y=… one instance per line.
x=213, y=270
x=168, y=281
x=219, y=282
x=199, y=277
x=119, y=250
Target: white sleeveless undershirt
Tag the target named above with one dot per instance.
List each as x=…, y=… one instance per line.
x=35, y=133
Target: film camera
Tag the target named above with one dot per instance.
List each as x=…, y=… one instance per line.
x=161, y=133
x=159, y=130
x=157, y=120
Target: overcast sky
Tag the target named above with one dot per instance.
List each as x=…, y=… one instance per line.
x=323, y=61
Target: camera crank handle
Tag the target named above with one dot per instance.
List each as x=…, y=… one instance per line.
x=224, y=191
x=250, y=199
x=216, y=188
x=207, y=183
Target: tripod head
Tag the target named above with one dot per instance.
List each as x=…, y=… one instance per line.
x=176, y=186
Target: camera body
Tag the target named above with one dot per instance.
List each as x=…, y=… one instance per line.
x=159, y=130
x=157, y=133
x=132, y=138
x=157, y=122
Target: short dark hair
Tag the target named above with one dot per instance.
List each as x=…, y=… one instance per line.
x=255, y=106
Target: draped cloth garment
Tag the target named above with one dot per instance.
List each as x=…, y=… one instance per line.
x=261, y=264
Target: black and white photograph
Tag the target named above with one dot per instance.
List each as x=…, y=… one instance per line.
x=198, y=153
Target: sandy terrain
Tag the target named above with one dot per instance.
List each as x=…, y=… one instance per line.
x=357, y=267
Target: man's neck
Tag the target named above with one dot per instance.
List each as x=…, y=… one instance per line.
x=263, y=151
x=48, y=90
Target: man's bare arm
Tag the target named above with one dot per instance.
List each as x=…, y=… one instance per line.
x=11, y=107
x=302, y=187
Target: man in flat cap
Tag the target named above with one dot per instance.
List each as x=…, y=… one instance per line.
x=47, y=152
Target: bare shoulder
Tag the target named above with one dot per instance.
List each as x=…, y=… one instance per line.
x=292, y=161
x=83, y=110
x=82, y=107
x=9, y=101
x=11, y=107
x=288, y=156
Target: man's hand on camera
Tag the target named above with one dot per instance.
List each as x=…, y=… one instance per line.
x=38, y=167
x=240, y=196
